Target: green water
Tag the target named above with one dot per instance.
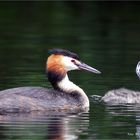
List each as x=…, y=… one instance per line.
x=104, y=34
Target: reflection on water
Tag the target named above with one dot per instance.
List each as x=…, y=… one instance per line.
x=121, y=122
x=44, y=126
x=127, y=119
x=117, y=122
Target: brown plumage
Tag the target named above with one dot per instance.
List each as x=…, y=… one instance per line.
x=55, y=64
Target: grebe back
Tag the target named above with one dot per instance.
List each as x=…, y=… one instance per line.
x=65, y=95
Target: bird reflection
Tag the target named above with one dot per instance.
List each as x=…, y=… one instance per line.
x=50, y=126
x=128, y=119
x=70, y=127
x=55, y=129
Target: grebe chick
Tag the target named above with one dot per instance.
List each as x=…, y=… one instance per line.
x=65, y=95
x=138, y=69
x=122, y=95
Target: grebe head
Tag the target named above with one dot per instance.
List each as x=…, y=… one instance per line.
x=61, y=61
x=138, y=69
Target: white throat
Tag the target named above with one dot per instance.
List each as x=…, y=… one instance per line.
x=67, y=86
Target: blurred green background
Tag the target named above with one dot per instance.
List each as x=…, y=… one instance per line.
x=104, y=34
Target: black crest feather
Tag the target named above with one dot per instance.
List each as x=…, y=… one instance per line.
x=64, y=52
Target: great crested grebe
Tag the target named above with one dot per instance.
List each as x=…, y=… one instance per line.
x=65, y=95
x=121, y=95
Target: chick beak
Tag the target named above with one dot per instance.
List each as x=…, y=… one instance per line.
x=83, y=66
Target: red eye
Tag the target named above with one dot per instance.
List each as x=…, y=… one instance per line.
x=73, y=61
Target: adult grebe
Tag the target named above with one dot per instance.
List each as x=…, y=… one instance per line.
x=65, y=96
x=122, y=95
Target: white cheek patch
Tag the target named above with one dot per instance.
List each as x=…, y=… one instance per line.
x=68, y=64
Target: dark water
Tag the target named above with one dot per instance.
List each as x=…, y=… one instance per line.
x=104, y=34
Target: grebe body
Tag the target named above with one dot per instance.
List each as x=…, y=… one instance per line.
x=121, y=95
x=27, y=99
x=65, y=95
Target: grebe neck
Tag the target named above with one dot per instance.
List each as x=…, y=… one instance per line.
x=67, y=86
x=63, y=84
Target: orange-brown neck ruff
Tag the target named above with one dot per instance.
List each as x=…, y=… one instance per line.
x=55, y=69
